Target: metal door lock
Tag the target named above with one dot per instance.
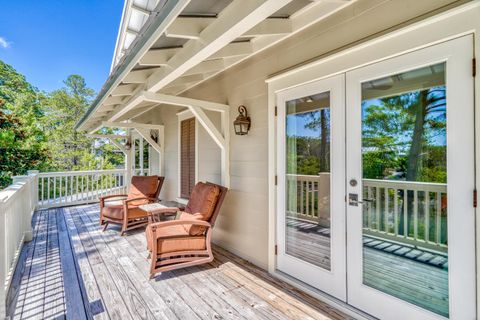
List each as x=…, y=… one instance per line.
x=353, y=199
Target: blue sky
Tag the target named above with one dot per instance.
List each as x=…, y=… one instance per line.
x=47, y=40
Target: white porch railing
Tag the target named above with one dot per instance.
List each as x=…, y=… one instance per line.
x=17, y=204
x=408, y=212
x=309, y=197
x=56, y=189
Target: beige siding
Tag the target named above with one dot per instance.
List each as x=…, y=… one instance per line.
x=243, y=224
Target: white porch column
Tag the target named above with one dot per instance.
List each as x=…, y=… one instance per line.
x=128, y=169
x=140, y=152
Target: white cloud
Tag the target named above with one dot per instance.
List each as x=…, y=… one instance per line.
x=4, y=43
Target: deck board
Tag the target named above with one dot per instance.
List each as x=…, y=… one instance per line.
x=73, y=270
x=411, y=274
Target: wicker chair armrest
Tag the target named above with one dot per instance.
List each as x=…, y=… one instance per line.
x=127, y=203
x=166, y=224
x=113, y=196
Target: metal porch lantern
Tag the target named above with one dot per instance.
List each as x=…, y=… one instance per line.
x=242, y=123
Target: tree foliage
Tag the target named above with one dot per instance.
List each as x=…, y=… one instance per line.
x=403, y=137
x=37, y=128
x=22, y=140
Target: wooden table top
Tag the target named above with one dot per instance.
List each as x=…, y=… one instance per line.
x=162, y=207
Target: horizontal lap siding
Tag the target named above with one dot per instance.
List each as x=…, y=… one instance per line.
x=242, y=226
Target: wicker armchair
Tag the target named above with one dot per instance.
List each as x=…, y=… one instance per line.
x=186, y=241
x=124, y=209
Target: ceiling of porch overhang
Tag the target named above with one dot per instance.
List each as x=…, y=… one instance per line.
x=182, y=43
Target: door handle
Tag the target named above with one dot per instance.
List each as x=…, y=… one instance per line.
x=353, y=200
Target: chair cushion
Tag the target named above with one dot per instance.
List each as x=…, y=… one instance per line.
x=115, y=211
x=191, y=229
x=174, y=239
x=203, y=200
x=143, y=186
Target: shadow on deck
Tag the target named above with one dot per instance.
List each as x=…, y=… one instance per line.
x=72, y=269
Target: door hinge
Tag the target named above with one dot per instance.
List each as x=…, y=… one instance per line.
x=276, y=179
x=475, y=198
x=474, y=67
x=276, y=249
x=276, y=111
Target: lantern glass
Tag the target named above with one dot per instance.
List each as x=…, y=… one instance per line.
x=242, y=123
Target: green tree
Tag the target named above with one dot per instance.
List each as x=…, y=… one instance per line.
x=70, y=150
x=22, y=140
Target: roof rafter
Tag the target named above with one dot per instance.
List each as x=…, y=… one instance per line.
x=270, y=26
x=123, y=90
x=140, y=9
x=236, y=19
x=188, y=27
x=232, y=50
x=157, y=57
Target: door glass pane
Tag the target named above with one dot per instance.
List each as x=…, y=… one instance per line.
x=308, y=179
x=404, y=162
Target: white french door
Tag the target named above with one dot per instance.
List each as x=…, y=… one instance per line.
x=311, y=187
x=410, y=181
x=375, y=182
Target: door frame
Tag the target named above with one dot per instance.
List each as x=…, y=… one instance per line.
x=457, y=54
x=363, y=50
x=332, y=281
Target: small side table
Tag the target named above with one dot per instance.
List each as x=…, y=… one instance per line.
x=162, y=211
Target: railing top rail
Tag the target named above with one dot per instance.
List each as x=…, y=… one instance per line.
x=79, y=173
x=307, y=176
x=11, y=192
x=410, y=185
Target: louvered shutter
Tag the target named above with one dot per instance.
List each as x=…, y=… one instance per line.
x=187, y=157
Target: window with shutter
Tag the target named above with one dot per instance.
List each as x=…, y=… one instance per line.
x=187, y=157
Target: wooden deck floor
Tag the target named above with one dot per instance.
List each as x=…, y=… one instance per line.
x=413, y=275
x=73, y=270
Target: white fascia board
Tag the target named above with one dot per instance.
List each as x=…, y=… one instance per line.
x=165, y=19
x=131, y=125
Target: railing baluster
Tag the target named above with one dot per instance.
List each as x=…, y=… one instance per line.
x=59, y=186
x=76, y=187
x=370, y=208
x=438, y=223
x=427, y=215
x=54, y=189
x=96, y=191
x=102, y=192
x=43, y=186
x=110, y=184
x=405, y=213
x=48, y=191
x=306, y=199
x=387, y=211
x=301, y=197
x=377, y=207
x=313, y=199
x=415, y=214
x=395, y=211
